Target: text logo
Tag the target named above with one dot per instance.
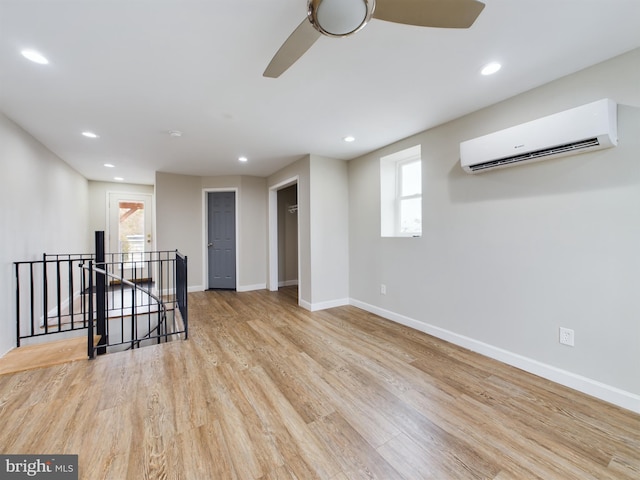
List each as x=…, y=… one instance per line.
x=44, y=467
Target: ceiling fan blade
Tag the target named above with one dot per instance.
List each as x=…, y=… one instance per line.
x=429, y=13
x=292, y=49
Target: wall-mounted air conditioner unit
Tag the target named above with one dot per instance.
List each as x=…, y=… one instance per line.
x=579, y=130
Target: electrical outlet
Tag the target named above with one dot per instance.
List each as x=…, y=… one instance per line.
x=383, y=289
x=566, y=336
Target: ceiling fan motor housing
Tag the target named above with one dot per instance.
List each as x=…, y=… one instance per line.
x=340, y=18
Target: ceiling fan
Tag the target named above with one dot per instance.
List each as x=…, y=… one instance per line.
x=341, y=18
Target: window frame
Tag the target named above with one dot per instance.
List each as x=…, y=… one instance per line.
x=391, y=198
x=400, y=197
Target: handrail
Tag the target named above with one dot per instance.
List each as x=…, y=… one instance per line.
x=181, y=290
x=136, y=287
x=36, y=303
x=148, y=335
x=52, y=298
x=125, y=281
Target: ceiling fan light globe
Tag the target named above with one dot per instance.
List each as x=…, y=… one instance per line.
x=339, y=18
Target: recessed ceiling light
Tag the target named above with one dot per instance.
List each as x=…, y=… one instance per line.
x=109, y=165
x=490, y=68
x=349, y=139
x=34, y=56
x=89, y=134
x=119, y=179
x=175, y=133
x=243, y=159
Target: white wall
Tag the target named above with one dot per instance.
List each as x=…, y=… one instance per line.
x=508, y=256
x=43, y=209
x=98, y=200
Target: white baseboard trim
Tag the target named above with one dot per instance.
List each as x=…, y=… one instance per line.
x=288, y=283
x=597, y=389
x=304, y=304
x=250, y=288
x=195, y=288
x=314, y=307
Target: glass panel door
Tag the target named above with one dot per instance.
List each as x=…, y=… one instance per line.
x=130, y=234
x=131, y=230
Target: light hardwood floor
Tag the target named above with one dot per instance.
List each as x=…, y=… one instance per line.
x=266, y=390
x=45, y=354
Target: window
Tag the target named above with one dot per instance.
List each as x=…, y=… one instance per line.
x=401, y=193
x=131, y=230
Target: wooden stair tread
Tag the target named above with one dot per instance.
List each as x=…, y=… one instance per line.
x=45, y=355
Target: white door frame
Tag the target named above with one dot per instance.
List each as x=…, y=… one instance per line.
x=273, y=233
x=150, y=230
x=149, y=201
x=205, y=226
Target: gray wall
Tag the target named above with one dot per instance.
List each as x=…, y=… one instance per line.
x=252, y=230
x=180, y=221
x=329, y=221
x=323, y=229
x=300, y=169
x=43, y=209
x=508, y=256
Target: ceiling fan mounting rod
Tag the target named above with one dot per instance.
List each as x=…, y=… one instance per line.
x=340, y=18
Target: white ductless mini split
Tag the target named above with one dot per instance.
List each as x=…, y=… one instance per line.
x=579, y=130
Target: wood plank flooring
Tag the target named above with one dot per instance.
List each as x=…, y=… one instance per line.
x=266, y=390
x=45, y=354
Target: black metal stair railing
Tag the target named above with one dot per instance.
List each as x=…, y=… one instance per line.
x=57, y=297
x=181, y=291
x=156, y=315
x=49, y=299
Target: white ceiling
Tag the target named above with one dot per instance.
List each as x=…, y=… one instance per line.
x=132, y=70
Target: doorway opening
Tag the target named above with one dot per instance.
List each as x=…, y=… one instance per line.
x=284, y=238
x=288, y=236
x=130, y=233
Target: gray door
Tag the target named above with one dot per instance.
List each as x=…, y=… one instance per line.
x=221, y=238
